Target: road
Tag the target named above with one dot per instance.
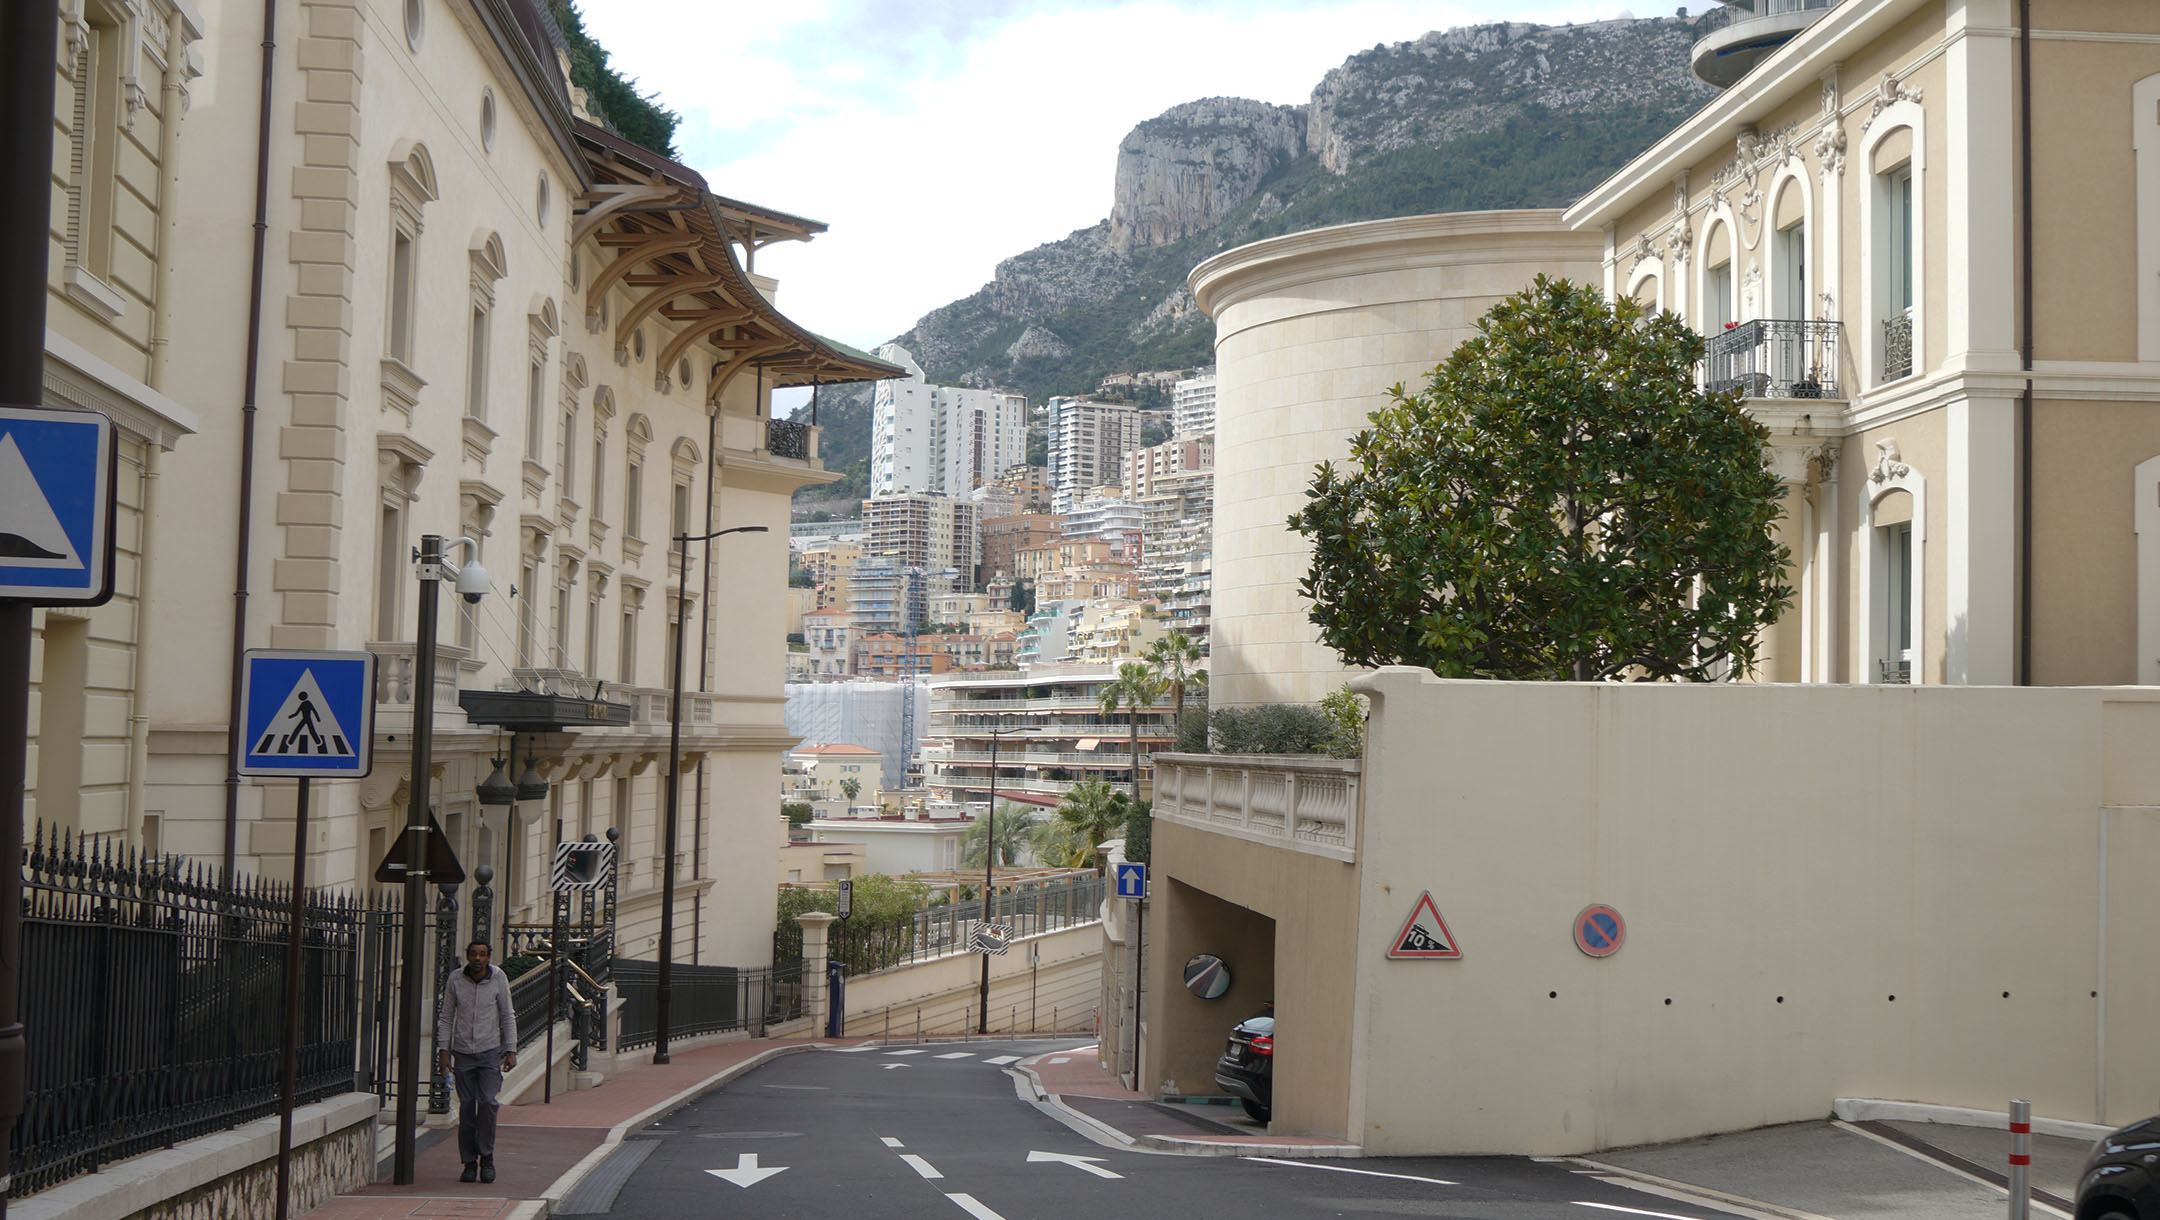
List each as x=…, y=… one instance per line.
x=939, y=1132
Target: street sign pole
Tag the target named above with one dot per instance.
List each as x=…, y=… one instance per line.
x=416, y=872
x=292, y=1003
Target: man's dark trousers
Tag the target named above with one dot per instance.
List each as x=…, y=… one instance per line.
x=479, y=1079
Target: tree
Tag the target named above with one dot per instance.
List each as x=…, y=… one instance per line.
x=1559, y=502
x=1015, y=830
x=849, y=787
x=1173, y=661
x=1091, y=813
x=1134, y=688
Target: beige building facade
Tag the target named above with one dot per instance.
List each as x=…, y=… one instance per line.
x=1310, y=331
x=481, y=316
x=1846, y=225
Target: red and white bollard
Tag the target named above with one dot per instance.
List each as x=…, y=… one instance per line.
x=2020, y=1160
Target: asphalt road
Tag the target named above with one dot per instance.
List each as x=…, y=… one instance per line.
x=939, y=1133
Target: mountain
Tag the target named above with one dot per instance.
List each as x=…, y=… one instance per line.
x=1489, y=116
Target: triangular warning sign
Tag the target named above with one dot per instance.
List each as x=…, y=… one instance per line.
x=1425, y=934
x=304, y=727
x=442, y=862
x=30, y=531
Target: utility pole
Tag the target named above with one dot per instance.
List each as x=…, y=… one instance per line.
x=29, y=32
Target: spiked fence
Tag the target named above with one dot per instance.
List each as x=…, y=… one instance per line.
x=153, y=997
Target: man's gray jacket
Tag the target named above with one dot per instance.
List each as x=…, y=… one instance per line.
x=476, y=1017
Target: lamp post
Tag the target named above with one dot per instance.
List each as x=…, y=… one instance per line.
x=674, y=790
x=989, y=871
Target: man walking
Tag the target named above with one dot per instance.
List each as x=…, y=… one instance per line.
x=476, y=1033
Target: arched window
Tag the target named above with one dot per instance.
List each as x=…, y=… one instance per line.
x=1893, y=534
x=1894, y=248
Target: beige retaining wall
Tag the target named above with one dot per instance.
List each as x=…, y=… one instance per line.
x=939, y=998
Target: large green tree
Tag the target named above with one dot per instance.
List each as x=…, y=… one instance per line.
x=1134, y=689
x=1174, y=662
x=1559, y=502
x=1091, y=813
x=1015, y=831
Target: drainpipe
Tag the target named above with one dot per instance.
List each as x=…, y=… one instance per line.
x=2025, y=293
x=244, y=525
x=160, y=348
x=697, y=840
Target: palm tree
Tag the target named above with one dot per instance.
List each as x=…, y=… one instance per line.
x=1174, y=661
x=1134, y=689
x=849, y=787
x=1015, y=827
x=1092, y=812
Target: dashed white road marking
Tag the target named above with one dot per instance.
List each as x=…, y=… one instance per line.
x=920, y=1165
x=890, y=1142
x=1062, y=1059
x=1369, y=1173
x=971, y=1207
x=1632, y=1211
x=850, y=1050
x=909, y=1051
x=1002, y=1060
x=958, y=1055
x=894, y=1066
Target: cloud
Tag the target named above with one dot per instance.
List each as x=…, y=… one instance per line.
x=938, y=139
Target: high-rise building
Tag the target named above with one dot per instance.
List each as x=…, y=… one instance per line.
x=1192, y=406
x=944, y=440
x=1087, y=442
x=927, y=532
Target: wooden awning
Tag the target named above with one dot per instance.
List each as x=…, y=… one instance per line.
x=673, y=245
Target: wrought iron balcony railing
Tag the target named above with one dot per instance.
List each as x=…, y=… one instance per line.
x=1775, y=358
x=1897, y=346
x=786, y=438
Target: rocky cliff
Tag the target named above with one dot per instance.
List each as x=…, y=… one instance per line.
x=1486, y=116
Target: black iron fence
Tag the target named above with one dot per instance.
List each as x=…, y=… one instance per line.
x=786, y=438
x=707, y=999
x=153, y=995
x=942, y=930
x=1775, y=358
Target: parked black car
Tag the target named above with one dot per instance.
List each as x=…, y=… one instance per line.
x=1246, y=1070
x=2121, y=1179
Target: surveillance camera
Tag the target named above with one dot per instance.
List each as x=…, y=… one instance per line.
x=472, y=582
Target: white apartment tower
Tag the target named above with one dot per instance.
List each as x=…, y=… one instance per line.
x=944, y=440
x=1088, y=441
x=925, y=531
x=1192, y=406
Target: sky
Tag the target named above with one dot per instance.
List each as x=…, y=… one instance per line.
x=937, y=139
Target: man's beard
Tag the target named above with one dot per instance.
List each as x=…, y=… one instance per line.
x=476, y=973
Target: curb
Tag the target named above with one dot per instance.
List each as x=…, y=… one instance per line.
x=1103, y=1133
x=1863, y=1109
x=563, y=1185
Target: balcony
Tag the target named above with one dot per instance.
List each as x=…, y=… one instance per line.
x=1775, y=358
x=1731, y=39
x=1300, y=803
x=788, y=439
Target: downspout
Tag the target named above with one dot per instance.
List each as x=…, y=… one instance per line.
x=697, y=839
x=2025, y=293
x=247, y=442
x=160, y=347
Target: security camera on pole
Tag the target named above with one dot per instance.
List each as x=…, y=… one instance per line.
x=472, y=585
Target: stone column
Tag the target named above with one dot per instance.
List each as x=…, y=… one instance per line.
x=816, y=925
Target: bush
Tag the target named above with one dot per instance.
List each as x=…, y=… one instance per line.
x=881, y=903
x=1345, y=710
x=1269, y=728
x=515, y=966
x=798, y=812
x=1192, y=731
x=1139, y=831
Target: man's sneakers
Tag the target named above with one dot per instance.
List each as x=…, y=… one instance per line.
x=487, y=1169
x=472, y=1173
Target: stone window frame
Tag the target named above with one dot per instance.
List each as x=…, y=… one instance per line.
x=637, y=435
x=1891, y=474
x=401, y=463
x=1719, y=217
x=413, y=186
x=1791, y=176
x=1904, y=112
x=542, y=324
x=104, y=60
x=488, y=268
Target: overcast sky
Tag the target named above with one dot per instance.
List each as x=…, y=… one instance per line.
x=940, y=138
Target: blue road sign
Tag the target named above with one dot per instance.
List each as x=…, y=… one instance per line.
x=1132, y=880
x=307, y=713
x=56, y=506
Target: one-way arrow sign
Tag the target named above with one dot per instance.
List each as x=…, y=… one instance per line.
x=1087, y=1163
x=746, y=1172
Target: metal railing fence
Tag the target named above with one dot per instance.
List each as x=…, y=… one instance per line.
x=1775, y=358
x=707, y=1000
x=153, y=990
x=940, y=931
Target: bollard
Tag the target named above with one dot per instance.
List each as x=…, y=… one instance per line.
x=888, y=1025
x=1012, y=1020
x=2020, y=1160
x=918, y=1024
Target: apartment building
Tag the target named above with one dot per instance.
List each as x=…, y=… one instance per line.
x=1959, y=385
x=1110, y=520
x=830, y=637
x=944, y=440
x=830, y=562
x=1192, y=406
x=1113, y=631
x=1179, y=454
x=1004, y=538
x=925, y=531
x=1087, y=444
x=882, y=656
x=1051, y=732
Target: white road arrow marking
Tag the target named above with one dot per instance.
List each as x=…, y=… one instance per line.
x=958, y=1055
x=1077, y=1162
x=890, y=1066
x=920, y=1165
x=1370, y=1173
x=746, y=1172
x=906, y=1052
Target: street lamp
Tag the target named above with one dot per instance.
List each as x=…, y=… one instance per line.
x=989, y=867
x=674, y=788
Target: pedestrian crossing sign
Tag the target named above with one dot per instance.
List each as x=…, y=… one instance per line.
x=307, y=713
